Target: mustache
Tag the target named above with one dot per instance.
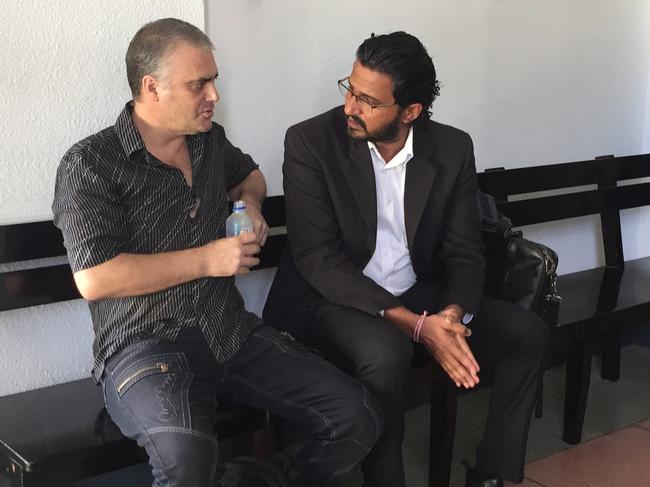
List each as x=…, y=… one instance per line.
x=358, y=120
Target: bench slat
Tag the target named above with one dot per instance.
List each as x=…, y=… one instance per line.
x=582, y=203
x=552, y=208
x=566, y=175
x=32, y=287
x=602, y=291
x=29, y=241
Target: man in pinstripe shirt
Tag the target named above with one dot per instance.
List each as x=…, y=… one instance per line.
x=142, y=206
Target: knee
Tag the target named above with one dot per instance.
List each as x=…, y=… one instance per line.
x=384, y=356
x=361, y=420
x=183, y=458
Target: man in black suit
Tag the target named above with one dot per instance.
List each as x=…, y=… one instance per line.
x=383, y=225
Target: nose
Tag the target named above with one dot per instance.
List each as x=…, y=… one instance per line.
x=212, y=95
x=351, y=106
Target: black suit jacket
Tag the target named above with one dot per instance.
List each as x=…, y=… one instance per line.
x=331, y=207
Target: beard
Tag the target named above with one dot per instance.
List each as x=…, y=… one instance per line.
x=386, y=133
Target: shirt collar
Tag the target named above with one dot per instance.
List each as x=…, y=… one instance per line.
x=402, y=157
x=126, y=131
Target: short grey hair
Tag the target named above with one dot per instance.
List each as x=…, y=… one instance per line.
x=153, y=41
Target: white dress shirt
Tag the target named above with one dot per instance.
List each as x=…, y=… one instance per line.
x=390, y=266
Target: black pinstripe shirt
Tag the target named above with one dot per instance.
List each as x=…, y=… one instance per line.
x=112, y=197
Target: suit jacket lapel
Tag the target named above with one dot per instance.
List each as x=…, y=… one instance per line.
x=420, y=173
x=361, y=178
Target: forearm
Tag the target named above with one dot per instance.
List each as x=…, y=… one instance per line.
x=403, y=318
x=330, y=272
x=138, y=274
x=252, y=189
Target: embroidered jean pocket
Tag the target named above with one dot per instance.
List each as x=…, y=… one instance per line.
x=161, y=363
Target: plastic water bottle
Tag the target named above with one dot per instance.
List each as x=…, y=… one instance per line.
x=239, y=221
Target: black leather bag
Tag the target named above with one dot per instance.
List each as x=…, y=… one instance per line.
x=517, y=270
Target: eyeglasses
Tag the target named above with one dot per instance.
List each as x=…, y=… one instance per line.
x=362, y=100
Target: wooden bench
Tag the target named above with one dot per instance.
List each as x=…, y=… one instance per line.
x=598, y=302
x=58, y=434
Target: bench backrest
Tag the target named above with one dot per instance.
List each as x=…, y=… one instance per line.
x=590, y=188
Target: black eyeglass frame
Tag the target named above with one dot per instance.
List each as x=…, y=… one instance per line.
x=346, y=90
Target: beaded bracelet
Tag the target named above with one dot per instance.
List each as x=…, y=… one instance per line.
x=418, y=327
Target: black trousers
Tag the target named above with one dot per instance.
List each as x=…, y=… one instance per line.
x=506, y=338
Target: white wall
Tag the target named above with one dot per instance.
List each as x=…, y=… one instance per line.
x=533, y=81
x=646, y=131
x=63, y=78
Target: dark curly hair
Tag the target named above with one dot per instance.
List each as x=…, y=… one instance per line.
x=404, y=58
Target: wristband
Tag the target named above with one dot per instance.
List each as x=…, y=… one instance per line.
x=418, y=326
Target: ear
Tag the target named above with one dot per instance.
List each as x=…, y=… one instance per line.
x=411, y=113
x=149, y=87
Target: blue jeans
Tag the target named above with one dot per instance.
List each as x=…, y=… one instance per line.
x=163, y=394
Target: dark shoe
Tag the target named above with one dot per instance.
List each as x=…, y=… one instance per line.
x=474, y=478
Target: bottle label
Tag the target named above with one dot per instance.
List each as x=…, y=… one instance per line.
x=236, y=226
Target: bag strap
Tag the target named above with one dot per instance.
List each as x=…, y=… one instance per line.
x=492, y=220
x=487, y=208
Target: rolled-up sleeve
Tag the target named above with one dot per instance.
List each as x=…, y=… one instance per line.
x=87, y=211
x=237, y=164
